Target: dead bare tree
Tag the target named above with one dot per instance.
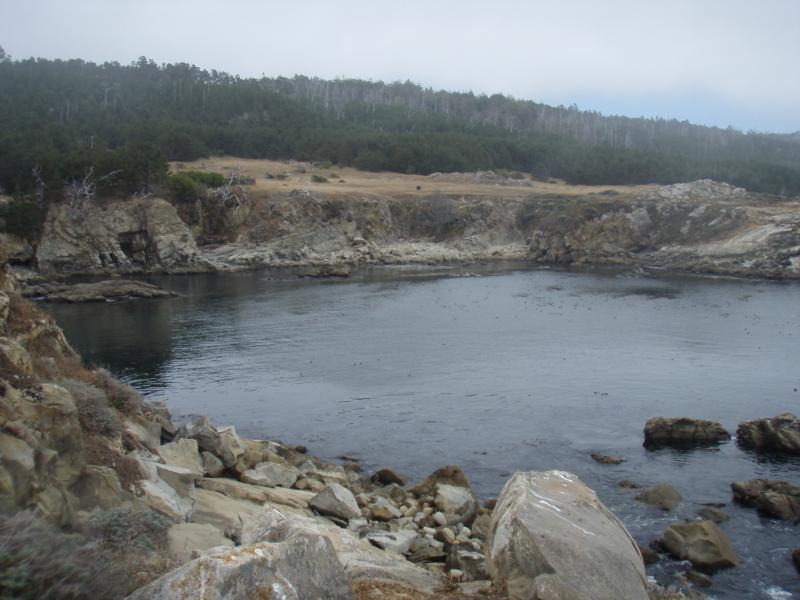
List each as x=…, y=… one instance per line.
x=39, y=186
x=80, y=191
x=231, y=193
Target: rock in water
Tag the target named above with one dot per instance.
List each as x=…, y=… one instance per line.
x=605, y=459
x=387, y=476
x=778, y=434
x=779, y=499
x=301, y=567
x=336, y=501
x=702, y=543
x=551, y=535
x=663, y=496
x=682, y=431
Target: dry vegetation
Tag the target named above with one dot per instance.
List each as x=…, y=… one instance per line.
x=289, y=175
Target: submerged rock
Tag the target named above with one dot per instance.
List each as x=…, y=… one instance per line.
x=551, y=535
x=776, y=434
x=682, y=431
x=605, y=459
x=663, y=496
x=702, y=543
x=772, y=498
x=112, y=290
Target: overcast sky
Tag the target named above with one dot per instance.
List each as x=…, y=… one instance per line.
x=719, y=62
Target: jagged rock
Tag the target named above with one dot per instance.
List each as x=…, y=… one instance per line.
x=550, y=532
x=299, y=567
x=386, y=476
x=663, y=496
x=778, y=499
x=296, y=499
x=682, y=431
x=605, y=459
x=125, y=235
x=336, y=501
x=212, y=466
x=187, y=540
x=776, y=434
x=699, y=579
x=702, y=543
x=271, y=475
x=98, y=487
x=649, y=556
x=182, y=453
x=163, y=498
x=384, y=509
x=221, y=442
x=18, y=462
x=458, y=504
x=145, y=432
x=450, y=475
x=425, y=549
x=14, y=354
x=396, y=541
x=364, y=564
x=254, y=454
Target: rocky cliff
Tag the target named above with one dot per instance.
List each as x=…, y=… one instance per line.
x=703, y=227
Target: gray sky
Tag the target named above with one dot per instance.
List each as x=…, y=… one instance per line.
x=719, y=62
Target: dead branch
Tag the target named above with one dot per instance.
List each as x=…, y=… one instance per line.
x=230, y=193
x=80, y=191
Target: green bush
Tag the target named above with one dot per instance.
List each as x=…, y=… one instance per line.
x=40, y=562
x=182, y=188
x=318, y=179
x=207, y=178
x=22, y=217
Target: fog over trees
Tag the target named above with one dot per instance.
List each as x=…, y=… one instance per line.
x=58, y=119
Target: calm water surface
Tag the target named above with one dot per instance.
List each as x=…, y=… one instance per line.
x=497, y=372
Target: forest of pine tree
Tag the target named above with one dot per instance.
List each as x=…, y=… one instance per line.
x=60, y=118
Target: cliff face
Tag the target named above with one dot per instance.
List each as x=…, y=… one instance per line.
x=699, y=227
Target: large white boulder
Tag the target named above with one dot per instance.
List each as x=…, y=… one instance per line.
x=552, y=538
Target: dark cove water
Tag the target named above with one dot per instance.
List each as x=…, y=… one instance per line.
x=499, y=372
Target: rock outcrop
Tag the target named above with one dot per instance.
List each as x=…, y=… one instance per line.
x=112, y=290
x=552, y=538
x=779, y=434
x=777, y=499
x=119, y=236
x=682, y=431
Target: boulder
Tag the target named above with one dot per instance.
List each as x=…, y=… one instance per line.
x=229, y=515
x=294, y=499
x=163, y=498
x=98, y=487
x=387, y=476
x=271, y=474
x=396, y=541
x=366, y=566
x=458, y=504
x=384, y=509
x=772, y=498
x=302, y=566
x=713, y=514
x=187, y=540
x=471, y=563
x=336, y=501
x=550, y=532
x=702, y=543
x=212, y=466
x=776, y=434
x=182, y=453
x=682, y=431
x=13, y=355
x=221, y=442
x=663, y=496
x=450, y=475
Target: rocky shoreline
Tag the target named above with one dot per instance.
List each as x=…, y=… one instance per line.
x=699, y=227
x=236, y=517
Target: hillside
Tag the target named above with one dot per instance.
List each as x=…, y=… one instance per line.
x=63, y=118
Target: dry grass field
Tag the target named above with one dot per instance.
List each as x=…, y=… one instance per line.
x=350, y=181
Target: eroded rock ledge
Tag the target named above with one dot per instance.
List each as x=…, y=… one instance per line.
x=702, y=227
